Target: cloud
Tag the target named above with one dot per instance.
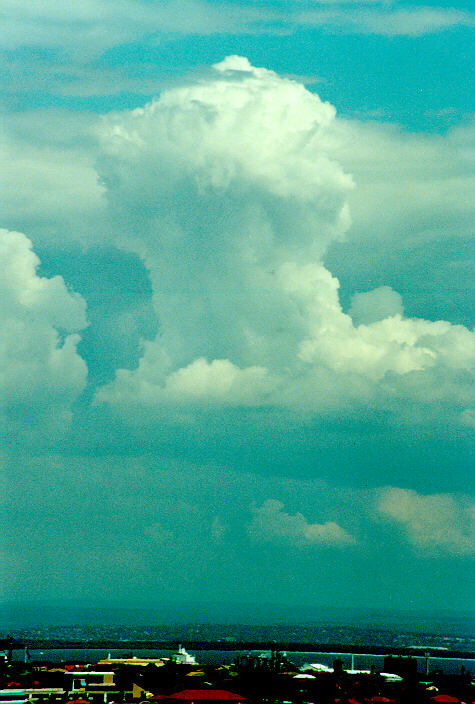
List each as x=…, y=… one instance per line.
x=230, y=191
x=410, y=185
x=410, y=22
x=220, y=379
x=271, y=524
x=228, y=176
x=412, y=213
x=88, y=28
x=371, y=306
x=50, y=187
x=199, y=382
x=42, y=372
x=434, y=523
x=234, y=190
x=170, y=517
x=218, y=530
x=394, y=344
x=228, y=111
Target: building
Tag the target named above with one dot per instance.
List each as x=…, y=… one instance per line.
x=181, y=657
x=28, y=695
x=98, y=686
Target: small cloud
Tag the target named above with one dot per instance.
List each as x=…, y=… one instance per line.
x=433, y=523
x=159, y=535
x=218, y=530
x=378, y=304
x=220, y=379
x=271, y=524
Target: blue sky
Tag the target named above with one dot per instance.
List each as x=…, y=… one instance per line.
x=237, y=294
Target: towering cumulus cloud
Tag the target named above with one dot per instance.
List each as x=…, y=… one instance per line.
x=230, y=191
x=42, y=370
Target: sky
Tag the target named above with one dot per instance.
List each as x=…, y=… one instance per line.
x=237, y=305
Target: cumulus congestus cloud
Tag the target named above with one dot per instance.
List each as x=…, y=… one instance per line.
x=231, y=191
x=42, y=372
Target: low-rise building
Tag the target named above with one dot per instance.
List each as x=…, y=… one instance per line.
x=35, y=694
x=94, y=685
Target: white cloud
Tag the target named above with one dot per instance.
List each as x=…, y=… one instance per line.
x=231, y=191
x=42, y=372
x=86, y=28
x=394, y=344
x=243, y=128
x=220, y=379
x=432, y=523
x=271, y=523
x=200, y=382
x=50, y=187
x=370, y=306
x=229, y=178
x=411, y=186
x=411, y=22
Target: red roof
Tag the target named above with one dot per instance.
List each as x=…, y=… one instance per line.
x=203, y=695
x=445, y=698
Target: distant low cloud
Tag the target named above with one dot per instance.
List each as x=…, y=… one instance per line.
x=42, y=372
x=434, y=523
x=272, y=524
